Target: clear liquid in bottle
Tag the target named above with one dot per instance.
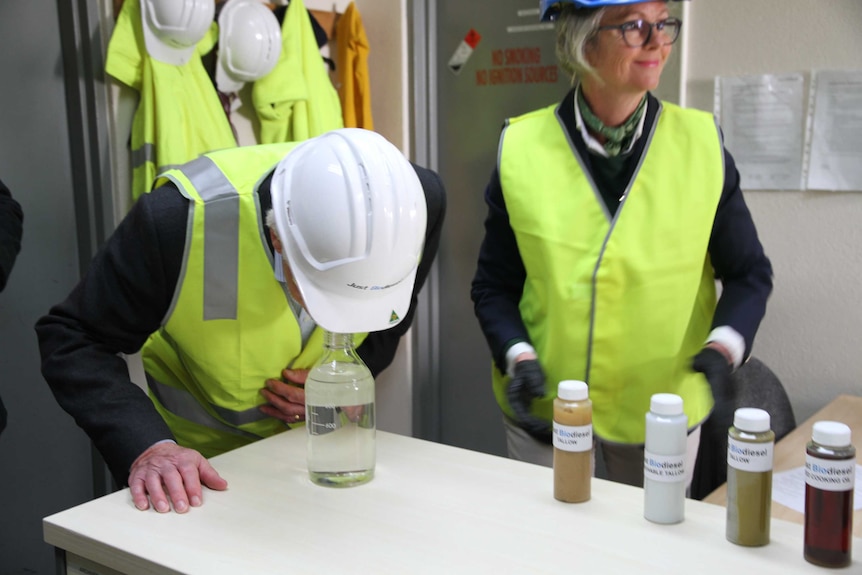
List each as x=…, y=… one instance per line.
x=340, y=418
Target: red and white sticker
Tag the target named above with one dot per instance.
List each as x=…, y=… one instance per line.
x=464, y=51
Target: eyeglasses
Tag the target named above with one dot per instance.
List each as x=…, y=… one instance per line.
x=637, y=33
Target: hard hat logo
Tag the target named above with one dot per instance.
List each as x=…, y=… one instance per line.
x=355, y=228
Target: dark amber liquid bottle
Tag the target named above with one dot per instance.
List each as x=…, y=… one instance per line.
x=829, y=480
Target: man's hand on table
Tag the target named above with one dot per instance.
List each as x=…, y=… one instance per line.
x=168, y=474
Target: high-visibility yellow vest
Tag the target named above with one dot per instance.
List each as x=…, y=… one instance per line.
x=230, y=325
x=179, y=115
x=622, y=303
x=297, y=100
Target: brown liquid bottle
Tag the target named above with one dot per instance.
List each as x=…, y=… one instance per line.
x=830, y=468
x=573, y=442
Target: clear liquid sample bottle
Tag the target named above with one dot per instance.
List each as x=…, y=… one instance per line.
x=664, y=459
x=830, y=470
x=750, y=449
x=339, y=414
x=573, y=442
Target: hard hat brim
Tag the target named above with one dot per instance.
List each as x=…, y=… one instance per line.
x=367, y=312
x=160, y=51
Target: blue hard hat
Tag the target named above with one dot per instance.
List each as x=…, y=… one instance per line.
x=549, y=9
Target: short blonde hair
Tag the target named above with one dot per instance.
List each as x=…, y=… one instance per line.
x=576, y=28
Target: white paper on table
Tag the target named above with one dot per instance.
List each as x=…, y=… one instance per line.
x=835, y=131
x=788, y=488
x=762, y=118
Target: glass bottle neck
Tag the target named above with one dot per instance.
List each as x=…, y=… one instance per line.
x=334, y=340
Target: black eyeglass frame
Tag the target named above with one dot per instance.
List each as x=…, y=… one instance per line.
x=633, y=25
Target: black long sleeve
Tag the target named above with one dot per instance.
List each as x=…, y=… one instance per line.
x=11, y=232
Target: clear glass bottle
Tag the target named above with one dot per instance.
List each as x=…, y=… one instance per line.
x=750, y=450
x=573, y=442
x=339, y=414
x=830, y=469
x=664, y=459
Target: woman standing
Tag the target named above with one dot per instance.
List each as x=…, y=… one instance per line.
x=610, y=216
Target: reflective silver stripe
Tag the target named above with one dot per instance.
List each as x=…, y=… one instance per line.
x=144, y=154
x=221, y=238
x=182, y=403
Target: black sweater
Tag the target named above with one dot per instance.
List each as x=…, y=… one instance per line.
x=734, y=248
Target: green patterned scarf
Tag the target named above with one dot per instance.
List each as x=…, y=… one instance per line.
x=618, y=138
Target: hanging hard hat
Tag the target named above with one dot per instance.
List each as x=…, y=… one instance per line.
x=172, y=28
x=351, y=216
x=249, y=43
x=550, y=9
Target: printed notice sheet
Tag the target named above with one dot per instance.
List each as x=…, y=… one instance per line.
x=835, y=133
x=764, y=129
x=788, y=488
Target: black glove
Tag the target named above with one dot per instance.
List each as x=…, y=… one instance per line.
x=712, y=364
x=527, y=384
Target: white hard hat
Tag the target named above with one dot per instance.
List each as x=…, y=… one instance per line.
x=249, y=43
x=172, y=28
x=351, y=215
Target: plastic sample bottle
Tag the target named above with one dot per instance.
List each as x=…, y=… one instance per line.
x=339, y=414
x=830, y=469
x=573, y=442
x=750, y=451
x=664, y=459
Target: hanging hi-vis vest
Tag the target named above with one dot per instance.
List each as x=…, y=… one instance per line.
x=296, y=101
x=230, y=326
x=621, y=303
x=179, y=115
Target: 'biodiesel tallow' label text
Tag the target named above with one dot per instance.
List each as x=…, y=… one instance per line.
x=749, y=456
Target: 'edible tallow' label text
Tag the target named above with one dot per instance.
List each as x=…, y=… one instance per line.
x=573, y=437
x=666, y=468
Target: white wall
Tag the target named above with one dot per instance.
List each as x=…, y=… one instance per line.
x=812, y=332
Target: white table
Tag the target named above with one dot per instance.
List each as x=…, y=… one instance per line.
x=430, y=509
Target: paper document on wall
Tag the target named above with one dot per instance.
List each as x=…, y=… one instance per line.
x=762, y=121
x=788, y=488
x=835, y=132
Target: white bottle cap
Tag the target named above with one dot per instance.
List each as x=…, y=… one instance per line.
x=572, y=390
x=751, y=419
x=665, y=404
x=831, y=434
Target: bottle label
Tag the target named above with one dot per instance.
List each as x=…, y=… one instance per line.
x=573, y=437
x=830, y=474
x=668, y=468
x=749, y=456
